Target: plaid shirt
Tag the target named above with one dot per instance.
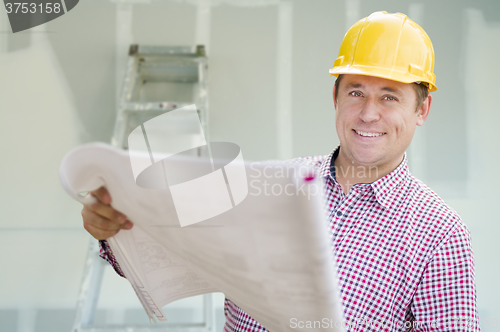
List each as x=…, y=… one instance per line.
x=404, y=258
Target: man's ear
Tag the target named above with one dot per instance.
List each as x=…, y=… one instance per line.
x=334, y=101
x=424, y=110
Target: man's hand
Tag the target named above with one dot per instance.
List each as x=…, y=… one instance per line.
x=100, y=219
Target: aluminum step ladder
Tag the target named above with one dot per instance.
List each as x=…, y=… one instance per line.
x=158, y=79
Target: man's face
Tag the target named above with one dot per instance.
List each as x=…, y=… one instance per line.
x=376, y=119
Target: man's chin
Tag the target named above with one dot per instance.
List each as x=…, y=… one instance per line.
x=367, y=157
x=367, y=162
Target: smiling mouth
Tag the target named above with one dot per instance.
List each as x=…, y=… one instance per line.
x=366, y=134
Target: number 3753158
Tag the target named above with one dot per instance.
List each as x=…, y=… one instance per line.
x=31, y=7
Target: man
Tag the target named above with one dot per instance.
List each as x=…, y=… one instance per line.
x=404, y=258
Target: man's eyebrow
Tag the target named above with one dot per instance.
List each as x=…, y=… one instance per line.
x=389, y=89
x=354, y=86
x=359, y=85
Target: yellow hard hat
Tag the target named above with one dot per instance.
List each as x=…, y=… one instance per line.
x=390, y=46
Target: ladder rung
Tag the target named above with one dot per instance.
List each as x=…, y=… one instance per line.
x=177, y=51
x=153, y=106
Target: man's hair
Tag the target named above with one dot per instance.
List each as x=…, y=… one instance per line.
x=421, y=90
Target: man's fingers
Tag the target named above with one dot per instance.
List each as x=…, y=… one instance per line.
x=128, y=225
x=96, y=220
x=102, y=207
x=100, y=227
x=100, y=219
x=102, y=194
x=108, y=212
x=99, y=234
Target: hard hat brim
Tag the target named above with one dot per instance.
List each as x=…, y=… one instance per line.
x=382, y=73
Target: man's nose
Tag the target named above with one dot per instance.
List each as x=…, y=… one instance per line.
x=370, y=111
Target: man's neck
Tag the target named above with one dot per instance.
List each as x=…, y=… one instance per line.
x=348, y=173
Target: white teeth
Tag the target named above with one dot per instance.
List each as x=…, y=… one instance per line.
x=362, y=133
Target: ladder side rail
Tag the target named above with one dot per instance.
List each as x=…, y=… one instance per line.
x=128, y=90
x=90, y=287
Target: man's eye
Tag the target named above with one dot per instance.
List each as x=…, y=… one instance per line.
x=356, y=94
x=390, y=98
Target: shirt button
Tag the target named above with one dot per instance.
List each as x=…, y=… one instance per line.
x=339, y=213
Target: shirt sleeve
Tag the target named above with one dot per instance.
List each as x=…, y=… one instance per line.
x=445, y=299
x=106, y=253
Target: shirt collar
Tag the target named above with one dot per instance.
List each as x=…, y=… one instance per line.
x=383, y=188
x=324, y=169
x=387, y=189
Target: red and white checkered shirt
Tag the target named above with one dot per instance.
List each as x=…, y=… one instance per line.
x=404, y=257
